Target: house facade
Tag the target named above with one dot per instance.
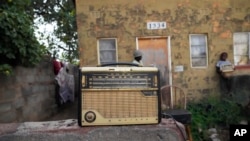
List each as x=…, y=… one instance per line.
x=183, y=38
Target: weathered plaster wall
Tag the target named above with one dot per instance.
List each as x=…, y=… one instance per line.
x=126, y=20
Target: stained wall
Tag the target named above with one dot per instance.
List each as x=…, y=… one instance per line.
x=126, y=20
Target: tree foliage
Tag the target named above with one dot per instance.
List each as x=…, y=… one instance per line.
x=18, y=44
x=61, y=12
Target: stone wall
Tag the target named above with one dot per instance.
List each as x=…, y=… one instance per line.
x=28, y=95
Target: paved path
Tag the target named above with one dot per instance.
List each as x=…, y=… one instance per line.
x=68, y=130
x=64, y=127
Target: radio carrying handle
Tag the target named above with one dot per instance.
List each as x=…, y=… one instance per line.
x=119, y=63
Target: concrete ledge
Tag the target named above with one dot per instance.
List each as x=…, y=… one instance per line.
x=70, y=131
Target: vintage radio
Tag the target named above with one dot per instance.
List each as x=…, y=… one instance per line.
x=119, y=96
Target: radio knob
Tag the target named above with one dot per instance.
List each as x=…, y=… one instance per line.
x=90, y=116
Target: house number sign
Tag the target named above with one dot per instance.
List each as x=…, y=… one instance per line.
x=156, y=25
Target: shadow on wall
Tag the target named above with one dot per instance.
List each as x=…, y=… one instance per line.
x=241, y=90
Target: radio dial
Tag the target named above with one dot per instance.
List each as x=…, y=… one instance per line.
x=90, y=116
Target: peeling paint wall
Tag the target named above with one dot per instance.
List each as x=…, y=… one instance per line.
x=126, y=20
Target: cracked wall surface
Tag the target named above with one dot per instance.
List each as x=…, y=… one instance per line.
x=127, y=19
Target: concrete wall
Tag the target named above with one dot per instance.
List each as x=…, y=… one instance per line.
x=126, y=20
x=28, y=95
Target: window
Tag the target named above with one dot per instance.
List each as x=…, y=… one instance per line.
x=107, y=50
x=198, y=50
x=241, y=48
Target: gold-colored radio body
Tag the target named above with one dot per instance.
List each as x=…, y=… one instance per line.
x=119, y=96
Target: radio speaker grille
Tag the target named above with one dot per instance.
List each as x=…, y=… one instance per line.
x=120, y=107
x=111, y=104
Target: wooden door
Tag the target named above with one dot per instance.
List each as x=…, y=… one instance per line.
x=155, y=53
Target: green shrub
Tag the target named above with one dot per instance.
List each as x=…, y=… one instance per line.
x=212, y=112
x=18, y=44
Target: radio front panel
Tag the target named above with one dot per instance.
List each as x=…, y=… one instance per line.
x=119, y=97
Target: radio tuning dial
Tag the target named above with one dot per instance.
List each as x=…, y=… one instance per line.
x=90, y=116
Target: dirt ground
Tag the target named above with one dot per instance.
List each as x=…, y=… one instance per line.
x=67, y=111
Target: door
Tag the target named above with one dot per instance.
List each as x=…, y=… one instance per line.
x=156, y=53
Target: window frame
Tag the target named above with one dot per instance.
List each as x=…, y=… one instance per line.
x=247, y=52
x=98, y=49
x=206, y=51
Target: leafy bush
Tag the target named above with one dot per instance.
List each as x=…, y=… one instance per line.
x=5, y=69
x=212, y=112
x=18, y=44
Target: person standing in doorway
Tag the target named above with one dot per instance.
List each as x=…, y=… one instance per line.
x=137, y=58
x=225, y=81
